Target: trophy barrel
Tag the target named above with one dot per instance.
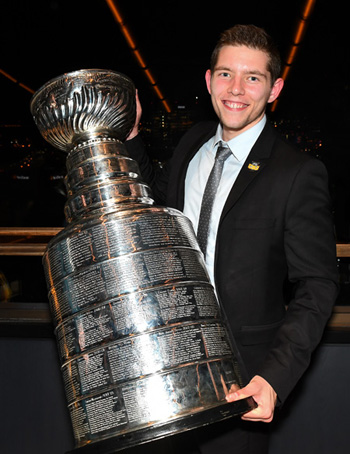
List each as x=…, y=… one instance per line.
x=144, y=347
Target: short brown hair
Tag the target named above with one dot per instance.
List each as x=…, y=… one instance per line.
x=254, y=38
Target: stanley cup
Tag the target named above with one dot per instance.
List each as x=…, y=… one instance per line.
x=144, y=347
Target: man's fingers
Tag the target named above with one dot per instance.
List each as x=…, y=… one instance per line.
x=263, y=394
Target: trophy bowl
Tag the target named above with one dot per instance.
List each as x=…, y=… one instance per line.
x=72, y=107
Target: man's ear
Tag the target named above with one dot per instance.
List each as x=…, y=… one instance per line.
x=276, y=90
x=208, y=79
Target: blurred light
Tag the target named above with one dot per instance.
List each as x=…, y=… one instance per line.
x=298, y=37
x=133, y=47
x=4, y=73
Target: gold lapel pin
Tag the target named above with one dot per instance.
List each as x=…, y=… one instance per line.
x=254, y=166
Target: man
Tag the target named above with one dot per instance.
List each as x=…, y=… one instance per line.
x=271, y=223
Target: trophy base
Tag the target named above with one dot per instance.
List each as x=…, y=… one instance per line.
x=132, y=439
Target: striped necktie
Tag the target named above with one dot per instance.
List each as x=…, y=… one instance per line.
x=223, y=152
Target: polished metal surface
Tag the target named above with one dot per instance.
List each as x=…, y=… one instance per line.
x=144, y=347
x=83, y=104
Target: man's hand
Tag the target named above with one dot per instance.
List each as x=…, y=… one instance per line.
x=135, y=129
x=263, y=394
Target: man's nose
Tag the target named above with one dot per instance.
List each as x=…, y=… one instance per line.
x=236, y=86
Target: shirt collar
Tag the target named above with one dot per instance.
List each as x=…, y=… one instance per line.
x=243, y=143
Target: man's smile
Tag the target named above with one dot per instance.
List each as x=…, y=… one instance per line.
x=234, y=105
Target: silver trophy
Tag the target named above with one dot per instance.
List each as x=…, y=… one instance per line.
x=144, y=347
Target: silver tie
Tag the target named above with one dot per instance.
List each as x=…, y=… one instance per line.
x=222, y=153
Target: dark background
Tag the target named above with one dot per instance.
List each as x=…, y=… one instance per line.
x=42, y=39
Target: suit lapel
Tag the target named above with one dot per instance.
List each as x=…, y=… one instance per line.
x=259, y=155
x=253, y=166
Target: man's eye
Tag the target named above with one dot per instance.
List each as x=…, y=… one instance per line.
x=253, y=79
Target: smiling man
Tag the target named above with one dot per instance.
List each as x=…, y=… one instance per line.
x=241, y=86
x=269, y=224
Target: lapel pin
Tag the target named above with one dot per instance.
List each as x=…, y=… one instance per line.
x=254, y=166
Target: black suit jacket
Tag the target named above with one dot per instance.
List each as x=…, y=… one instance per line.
x=276, y=229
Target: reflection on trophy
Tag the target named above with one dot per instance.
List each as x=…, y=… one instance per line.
x=144, y=348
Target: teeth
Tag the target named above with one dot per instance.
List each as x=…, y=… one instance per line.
x=234, y=105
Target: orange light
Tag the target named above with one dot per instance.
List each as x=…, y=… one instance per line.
x=128, y=37
x=285, y=72
x=26, y=88
x=291, y=55
x=140, y=59
x=4, y=73
x=300, y=31
x=298, y=36
x=133, y=47
x=150, y=77
x=308, y=7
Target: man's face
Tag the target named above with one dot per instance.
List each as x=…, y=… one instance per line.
x=240, y=88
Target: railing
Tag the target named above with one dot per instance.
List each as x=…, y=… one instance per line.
x=25, y=241
x=32, y=241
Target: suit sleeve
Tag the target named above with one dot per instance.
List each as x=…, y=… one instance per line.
x=310, y=251
x=155, y=177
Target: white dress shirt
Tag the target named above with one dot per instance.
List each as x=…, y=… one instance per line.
x=197, y=175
